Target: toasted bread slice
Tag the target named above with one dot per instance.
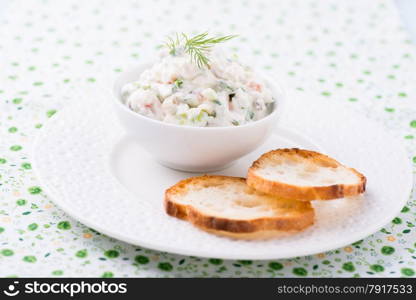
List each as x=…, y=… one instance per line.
x=227, y=206
x=304, y=175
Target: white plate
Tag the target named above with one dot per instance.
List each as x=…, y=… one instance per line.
x=106, y=181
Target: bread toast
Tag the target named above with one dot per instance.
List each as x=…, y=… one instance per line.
x=304, y=175
x=227, y=206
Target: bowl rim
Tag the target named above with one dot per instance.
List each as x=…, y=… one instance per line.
x=277, y=109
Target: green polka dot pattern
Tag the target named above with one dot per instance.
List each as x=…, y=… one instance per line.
x=354, y=52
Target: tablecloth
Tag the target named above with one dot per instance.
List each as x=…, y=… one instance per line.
x=355, y=52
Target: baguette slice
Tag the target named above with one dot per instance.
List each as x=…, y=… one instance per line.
x=304, y=175
x=227, y=206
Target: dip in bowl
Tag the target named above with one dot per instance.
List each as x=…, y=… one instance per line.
x=194, y=117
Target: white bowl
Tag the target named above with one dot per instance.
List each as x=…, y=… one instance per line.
x=194, y=149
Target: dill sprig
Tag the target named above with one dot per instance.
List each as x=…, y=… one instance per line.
x=197, y=47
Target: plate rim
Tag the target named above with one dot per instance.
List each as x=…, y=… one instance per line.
x=165, y=248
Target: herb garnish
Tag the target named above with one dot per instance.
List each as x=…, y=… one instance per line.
x=197, y=47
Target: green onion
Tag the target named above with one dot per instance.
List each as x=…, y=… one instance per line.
x=178, y=83
x=199, y=117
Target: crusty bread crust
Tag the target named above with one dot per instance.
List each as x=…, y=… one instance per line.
x=259, y=228
x=303, y=193
x=258, y=235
